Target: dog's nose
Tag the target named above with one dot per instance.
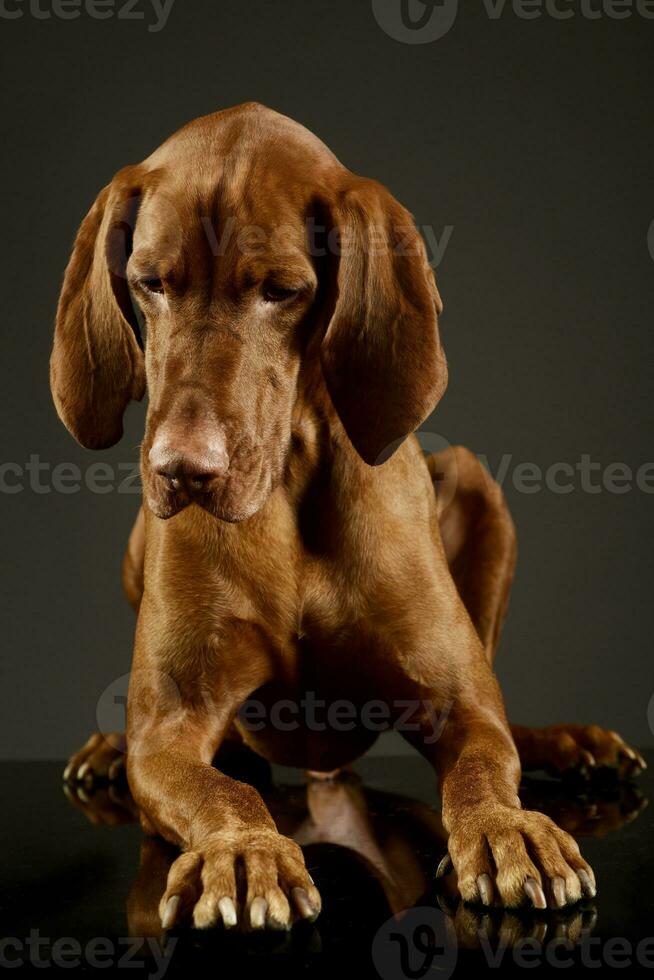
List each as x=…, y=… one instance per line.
x=190, y=467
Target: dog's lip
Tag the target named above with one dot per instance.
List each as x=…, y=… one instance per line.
x=164, y=508
x=165, y=503
x=225, y=517
x=209, y=504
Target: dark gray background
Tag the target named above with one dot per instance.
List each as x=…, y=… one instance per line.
x=533, y=139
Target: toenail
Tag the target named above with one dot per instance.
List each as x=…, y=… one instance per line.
x=558, y=891
x=258, y=910
x=228, y=912
x=170, y=912
x=303, y=904
x=535, y=893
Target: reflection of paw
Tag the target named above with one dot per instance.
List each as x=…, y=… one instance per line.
x=595, y=813
x=514, y=856
x=110, y=804
x=472, y=928
x=102, y=756
x=583, y=748
x=254, y=878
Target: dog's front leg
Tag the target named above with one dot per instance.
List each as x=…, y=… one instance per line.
x=500, y=852
x=235, y=867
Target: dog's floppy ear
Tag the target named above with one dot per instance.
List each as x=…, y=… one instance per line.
x=381, y=354
x=97, y=364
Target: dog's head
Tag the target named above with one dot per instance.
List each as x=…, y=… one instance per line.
x=248, y=249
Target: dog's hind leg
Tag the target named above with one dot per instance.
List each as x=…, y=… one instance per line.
x=478, y=537
x=480, y=544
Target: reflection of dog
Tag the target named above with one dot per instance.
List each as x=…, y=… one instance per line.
x=280, y=373
x=375, y=851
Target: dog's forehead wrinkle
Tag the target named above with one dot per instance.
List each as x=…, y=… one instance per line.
x=241, y=156
x=150, y=262
x=258, y=181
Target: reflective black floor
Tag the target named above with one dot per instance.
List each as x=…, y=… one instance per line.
x=80, y=884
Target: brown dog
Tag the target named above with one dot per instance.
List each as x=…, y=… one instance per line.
x=292, y=347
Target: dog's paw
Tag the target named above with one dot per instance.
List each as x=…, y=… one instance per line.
x=254, y=879
x=102, y=756
x=584, y=748
x=511, y=857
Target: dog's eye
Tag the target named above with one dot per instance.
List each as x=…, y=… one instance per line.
x=152, y=285
x=277, y=294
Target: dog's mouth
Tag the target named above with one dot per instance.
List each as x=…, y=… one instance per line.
x=232, y=499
